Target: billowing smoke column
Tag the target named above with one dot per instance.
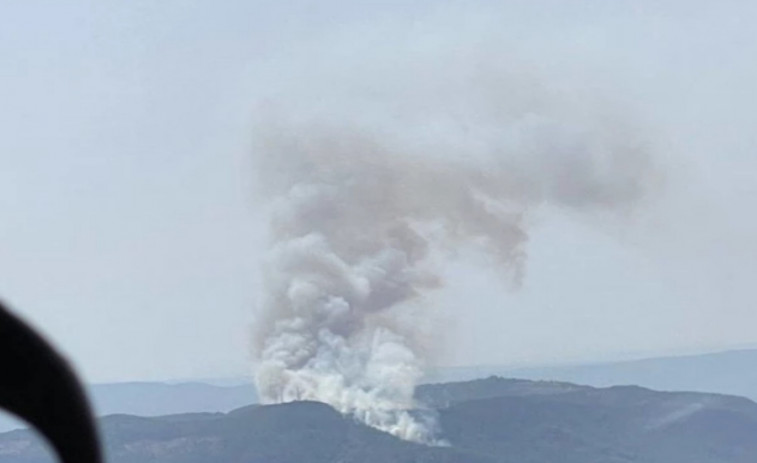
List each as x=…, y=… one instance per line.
x=367, y=199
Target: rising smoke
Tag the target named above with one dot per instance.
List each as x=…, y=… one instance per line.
x=379, y=168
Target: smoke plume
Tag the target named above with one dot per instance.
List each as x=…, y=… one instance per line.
x=375, y=172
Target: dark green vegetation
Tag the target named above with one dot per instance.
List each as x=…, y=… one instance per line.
x=491, y=420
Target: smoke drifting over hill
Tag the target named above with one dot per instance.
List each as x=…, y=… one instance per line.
x=378, y=167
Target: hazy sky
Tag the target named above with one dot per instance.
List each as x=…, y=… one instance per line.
x=129, y=232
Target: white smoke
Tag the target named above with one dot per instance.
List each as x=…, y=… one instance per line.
x=379, y=168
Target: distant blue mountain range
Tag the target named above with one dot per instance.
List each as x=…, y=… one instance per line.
x=731, y=372
x=156, y=399
x=493, y=420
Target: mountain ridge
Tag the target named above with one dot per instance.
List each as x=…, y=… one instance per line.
x=731, y=372
x=491, y=420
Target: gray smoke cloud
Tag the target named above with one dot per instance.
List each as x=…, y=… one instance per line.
x=380, y=167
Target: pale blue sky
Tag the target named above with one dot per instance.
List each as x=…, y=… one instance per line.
x=129, y=233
